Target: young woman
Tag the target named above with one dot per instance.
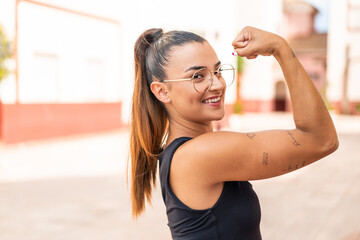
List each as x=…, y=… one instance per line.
x=179, y=90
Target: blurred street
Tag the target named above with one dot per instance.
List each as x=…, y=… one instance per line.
x=75, y=188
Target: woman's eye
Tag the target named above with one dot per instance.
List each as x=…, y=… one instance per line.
x=198, y=76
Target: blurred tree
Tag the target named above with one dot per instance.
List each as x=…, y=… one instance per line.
x=238, y=105
x=5, y=53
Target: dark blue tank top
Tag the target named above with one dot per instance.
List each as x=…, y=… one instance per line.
x=236, y=214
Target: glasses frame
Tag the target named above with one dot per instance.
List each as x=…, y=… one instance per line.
x=210, y=79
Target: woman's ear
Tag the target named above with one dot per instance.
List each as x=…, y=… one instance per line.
x=160, y=91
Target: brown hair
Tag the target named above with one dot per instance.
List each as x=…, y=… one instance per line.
x=149, y=119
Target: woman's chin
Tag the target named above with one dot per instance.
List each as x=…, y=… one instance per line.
x=219, y=117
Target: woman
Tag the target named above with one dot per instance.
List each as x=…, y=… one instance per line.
x=179, y=90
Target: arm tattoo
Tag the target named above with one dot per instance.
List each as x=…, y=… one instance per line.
x=297, y=166
x=251, y=135
x=294, y=141
x=265, y=158
x=293, y=53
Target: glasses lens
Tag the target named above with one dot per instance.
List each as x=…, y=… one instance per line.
x=227, y=74
x=202, y=80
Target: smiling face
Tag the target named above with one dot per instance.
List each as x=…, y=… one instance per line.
x=185, y=103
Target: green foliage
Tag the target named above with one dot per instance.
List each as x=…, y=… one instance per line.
x=357, y=107
x=240, y=64
x=5, y=53
x=238, y=107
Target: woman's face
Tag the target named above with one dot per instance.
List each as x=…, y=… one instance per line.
x=186, y=103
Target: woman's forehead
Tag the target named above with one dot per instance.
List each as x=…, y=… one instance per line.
x=192, y=54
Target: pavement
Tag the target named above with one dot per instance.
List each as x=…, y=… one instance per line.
x=75, y=188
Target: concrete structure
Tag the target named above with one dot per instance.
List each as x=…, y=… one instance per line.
x=73, y=68
x=298, y=19
x=343, y=68
x=81, y=54
x=332, y=60
x=257, y=84
x=65, y=72
x=309, y=46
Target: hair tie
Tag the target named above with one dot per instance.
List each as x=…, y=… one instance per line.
x=153, y=35
x=156, y=35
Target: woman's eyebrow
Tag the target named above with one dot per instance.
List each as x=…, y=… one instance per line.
x=194, y=68
x=200, y=67
x=217, y=64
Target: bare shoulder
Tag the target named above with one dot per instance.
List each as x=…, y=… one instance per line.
x=200, y=155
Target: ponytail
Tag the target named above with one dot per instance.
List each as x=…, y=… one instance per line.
x=149, y=121
x=148, y=126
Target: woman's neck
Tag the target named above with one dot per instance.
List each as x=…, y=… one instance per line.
x=187, y=129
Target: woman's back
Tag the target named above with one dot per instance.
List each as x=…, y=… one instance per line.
x=236, y=214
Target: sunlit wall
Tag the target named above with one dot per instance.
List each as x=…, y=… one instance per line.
x=67, y=54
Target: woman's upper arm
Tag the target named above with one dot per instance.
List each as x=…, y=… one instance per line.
x=231, y=156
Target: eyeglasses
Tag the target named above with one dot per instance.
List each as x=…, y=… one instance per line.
x=202, y=79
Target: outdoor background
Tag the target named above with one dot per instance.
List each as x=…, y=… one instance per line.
x=66, y=76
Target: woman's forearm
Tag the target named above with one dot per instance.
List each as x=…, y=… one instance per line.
x=309, y=110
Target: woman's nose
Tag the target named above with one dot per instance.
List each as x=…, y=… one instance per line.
x=217, y=83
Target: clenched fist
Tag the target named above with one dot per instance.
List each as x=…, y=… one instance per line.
x=252, y=42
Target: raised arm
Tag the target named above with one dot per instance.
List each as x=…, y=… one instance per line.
x=309, y=111
x=227, y=156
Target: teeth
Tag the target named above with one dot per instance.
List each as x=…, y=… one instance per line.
x=212, y=100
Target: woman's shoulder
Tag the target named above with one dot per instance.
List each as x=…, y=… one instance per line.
x=173, y=145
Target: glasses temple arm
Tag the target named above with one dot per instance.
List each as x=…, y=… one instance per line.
x=178, y=80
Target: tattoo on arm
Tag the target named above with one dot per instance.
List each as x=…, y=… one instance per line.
x=251, y=135
x=265, y=158
x=293, y=53
x=297, y=166
x=294, y=141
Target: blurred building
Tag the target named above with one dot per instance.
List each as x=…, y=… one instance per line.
x=73, y=65
x=343, y=65
x=332, y=60
x=309, y=46
x=257, y=87
x=66, y=75
x=73, y=68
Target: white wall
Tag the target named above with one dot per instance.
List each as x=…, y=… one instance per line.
x=64, y=57
x=338, y=38
x=258, y=79
x=76, y=41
